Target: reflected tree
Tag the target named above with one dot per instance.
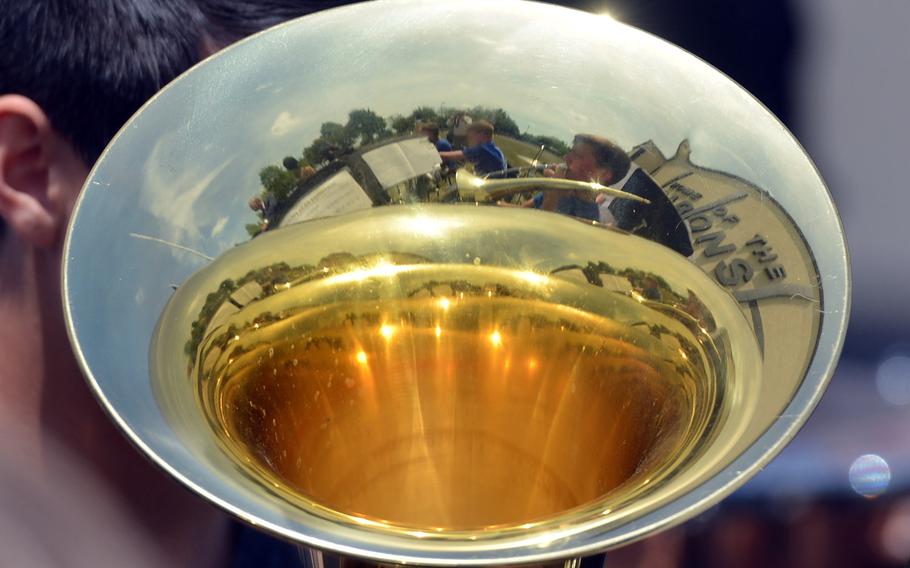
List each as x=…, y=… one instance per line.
x=365, y=127
x=277, y=181
x=401, y=125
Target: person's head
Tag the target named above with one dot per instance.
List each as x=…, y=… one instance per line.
x=595, y=158
x=72, y=72
x=480, y=132
x=430, y=130
x=256, y=204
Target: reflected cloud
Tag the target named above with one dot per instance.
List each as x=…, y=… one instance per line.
x=220, y=224
x=285, y=123
x=173, y=195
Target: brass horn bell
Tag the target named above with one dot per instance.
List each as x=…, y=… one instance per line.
x=409, y=363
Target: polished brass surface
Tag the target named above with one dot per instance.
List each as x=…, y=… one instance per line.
x=489, y=406
x=443, y=374
x=281, y=190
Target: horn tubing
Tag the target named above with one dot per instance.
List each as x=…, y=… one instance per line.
x=481, y=189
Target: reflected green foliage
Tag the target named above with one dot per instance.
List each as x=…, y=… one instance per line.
x=428, y=114
x=336, y=134
x=366, y=127
x=504, y=124
x=278, y=181
x=269, y=278
x=401, y=125
x=654, y=290
x=553, y=144
x=275, y=278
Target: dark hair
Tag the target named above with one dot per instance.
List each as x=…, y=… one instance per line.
x=290, y=163
x=481, y=127
x=231, y=20
x=430, y=127
x=607, y=153
x=90, y=64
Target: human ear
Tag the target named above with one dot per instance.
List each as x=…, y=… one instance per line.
x=31, y=203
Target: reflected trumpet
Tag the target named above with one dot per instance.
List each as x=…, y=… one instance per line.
x=383, y=379
x=527, y=170
x=485, y=189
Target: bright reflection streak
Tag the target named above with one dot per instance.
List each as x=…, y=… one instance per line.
x=387, y=331
x=438, y=331
x=533, y=277
x=496, y=338
x=367, y=522
x=428, y=226
x=532, y=364
x=637, y=296
x=444, y=303
x=383, y=269
x=361, y=357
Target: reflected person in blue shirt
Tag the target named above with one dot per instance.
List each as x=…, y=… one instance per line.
x=431, y=131
x=481, y=151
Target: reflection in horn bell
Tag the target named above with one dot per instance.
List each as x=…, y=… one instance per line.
x=480, y=189
x=458, y=388
x=393, y=371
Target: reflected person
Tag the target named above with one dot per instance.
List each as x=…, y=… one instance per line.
x=591, y=159
x=480, y=150
x=598, y=159
x=431, y=131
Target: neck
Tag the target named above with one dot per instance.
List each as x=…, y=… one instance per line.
x=22, y=347
x=42, y=389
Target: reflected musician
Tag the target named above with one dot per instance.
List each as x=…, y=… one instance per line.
x=596, y=158
x=480, y=150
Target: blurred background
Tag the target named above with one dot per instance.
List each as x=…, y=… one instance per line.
x=837, y=73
